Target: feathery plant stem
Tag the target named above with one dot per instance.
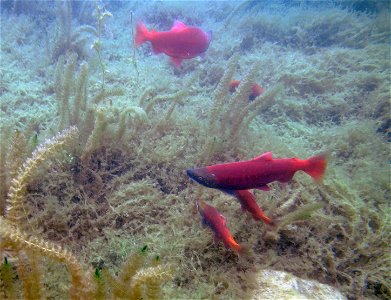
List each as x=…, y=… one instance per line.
x=101, y=13
x=16, y=195
x=134, y=61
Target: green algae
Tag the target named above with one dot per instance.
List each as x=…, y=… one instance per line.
x=131, y=189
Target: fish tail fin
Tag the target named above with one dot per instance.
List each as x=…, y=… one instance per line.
x=317, y=166
x=237, y=248
x=262, y=216
x=229, y=242
x=141, y=34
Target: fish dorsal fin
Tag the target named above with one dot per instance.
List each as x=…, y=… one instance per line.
x=178, y=26
x=264, y=156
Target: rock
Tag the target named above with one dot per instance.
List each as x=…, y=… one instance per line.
x=281, y=285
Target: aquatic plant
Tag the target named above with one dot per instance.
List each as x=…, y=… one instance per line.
x=231, y=115
x=123, y=184
x=12, y=155
x=74, y=105
x=12, y=225
x=17, y=190
x=69, y=39
x=101, y=13
x=29, y=249
x=331, y=26
x=134, y=60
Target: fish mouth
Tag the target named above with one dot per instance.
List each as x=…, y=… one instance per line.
x=202, y=176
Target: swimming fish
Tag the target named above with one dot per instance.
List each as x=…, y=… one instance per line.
x=248, y=203
x=179, y=43
x=233, y=84
x=256, y=89
x=217, y=223
x=257, y=172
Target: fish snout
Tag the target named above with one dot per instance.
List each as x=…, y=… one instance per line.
x=202, y=176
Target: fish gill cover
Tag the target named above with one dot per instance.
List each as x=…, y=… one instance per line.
x=96, y=137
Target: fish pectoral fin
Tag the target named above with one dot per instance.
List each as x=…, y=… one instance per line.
x=287, y=177
x=265, y=188
x=156, y=50
x=223, y=220
x=216, y=239
x=176, y=61
x=229, y=192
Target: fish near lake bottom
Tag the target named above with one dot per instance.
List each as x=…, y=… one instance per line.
x=179, y=43
x=248, y=203
x=217, y=223
x=258, y=172
x=256, y=89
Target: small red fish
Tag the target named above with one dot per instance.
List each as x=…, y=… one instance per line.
x=248, y=202
x=179, y=43
x=233, y=84
x=258, y=172
x=256, y=89
x=216, y=221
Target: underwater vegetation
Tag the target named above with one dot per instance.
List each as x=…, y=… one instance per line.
x=94, y=198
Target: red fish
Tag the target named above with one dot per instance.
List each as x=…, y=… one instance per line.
x=258, y=172
x=233, y=84
x=216, y=221
x=179, y=43
x=248, y=202
x=256, y=89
